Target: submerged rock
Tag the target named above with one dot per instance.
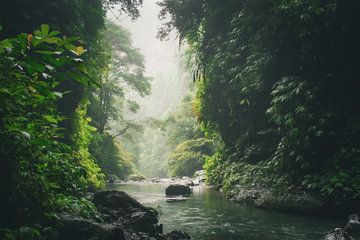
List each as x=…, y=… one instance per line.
x=350, y=232
x=177, y=190
x=289, y=202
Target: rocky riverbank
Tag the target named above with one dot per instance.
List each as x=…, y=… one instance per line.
x=351, y=231
x=260, y=198
x=199, y=179
x=297, y=202
x=123, y=218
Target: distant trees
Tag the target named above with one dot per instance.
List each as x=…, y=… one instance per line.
x=122, y=71
x=175, y=146
x=189, y=157
x=189, y=148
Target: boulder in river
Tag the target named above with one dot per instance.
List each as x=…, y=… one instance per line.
x=177, y=190
x=118, y=207
x=123, y=217
x=116, y=200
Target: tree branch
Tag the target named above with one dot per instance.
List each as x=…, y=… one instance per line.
x=122, y=132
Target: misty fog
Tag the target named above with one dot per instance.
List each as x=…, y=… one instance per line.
x=162, y=58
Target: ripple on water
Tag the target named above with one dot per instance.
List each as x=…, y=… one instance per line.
x=206, y=215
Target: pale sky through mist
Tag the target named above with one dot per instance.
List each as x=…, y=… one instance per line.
x=162, y=60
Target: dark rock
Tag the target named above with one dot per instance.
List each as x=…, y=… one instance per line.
x=177, y=235
x=92, y=188
x=117, y=200
x=144, y=222
x=350, y=232
x=118, y=207
x=76, y=228
x=178, y=189
x=125, y=219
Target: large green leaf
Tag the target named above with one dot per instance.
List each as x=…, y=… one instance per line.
x=44, y=29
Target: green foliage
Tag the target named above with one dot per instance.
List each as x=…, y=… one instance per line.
x=229, y=175
x=45, y=132
x=121, y=70
x=111, y=156
x=182, y=125
x=186, y=139
x=35, y=162
x=81, y=138
x=273, y=87
x=75, y=206
x=22, y=233
x=162, y=137
x=75, y=18
x=153, y=154
x=189, y=157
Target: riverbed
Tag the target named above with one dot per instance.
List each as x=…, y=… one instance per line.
x=207, y=215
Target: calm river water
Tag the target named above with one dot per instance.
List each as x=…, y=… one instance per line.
x=207, y=215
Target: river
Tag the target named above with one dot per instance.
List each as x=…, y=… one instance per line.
x=207, y=215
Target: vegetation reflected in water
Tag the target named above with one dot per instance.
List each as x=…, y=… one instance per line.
x=207, y=215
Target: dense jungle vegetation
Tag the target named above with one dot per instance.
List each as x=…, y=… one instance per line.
x=175, y=146
x=274, y=103
x=278, y=82
x=64, y=74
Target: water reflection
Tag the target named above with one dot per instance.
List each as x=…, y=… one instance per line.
x=207, y=215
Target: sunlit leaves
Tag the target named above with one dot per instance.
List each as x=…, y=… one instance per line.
x=50, y=119
x=79, y=51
